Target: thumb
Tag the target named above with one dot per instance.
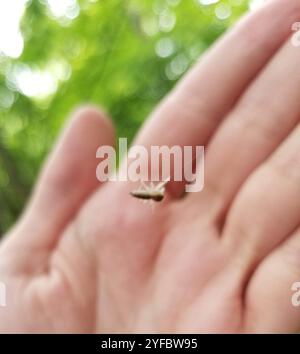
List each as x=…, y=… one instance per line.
x=67, y=179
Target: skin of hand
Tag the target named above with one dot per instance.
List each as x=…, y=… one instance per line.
x=86, y=257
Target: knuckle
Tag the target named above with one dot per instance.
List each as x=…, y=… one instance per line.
x=260, y=117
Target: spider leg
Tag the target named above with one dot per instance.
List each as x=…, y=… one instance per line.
x=161, y=189
x=161, y=185
x=152, y=185
x=143, y=184
x=152, y=205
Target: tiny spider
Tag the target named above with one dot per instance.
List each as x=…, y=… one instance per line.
x=151, y=192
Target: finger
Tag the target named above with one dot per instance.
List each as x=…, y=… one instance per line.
x=267, y=209
x=68, y=178
x=191, y=113
x=262, y=119
x=272, y=291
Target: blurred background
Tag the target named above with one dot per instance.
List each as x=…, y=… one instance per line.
x=124, y=55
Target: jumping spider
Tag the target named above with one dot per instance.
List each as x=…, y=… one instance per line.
x=151, y=191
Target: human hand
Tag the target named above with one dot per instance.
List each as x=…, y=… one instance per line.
x=90, y=258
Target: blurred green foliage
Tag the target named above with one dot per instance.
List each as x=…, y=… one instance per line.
x=124, y=55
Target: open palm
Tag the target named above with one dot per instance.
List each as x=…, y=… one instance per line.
x=90, y=258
